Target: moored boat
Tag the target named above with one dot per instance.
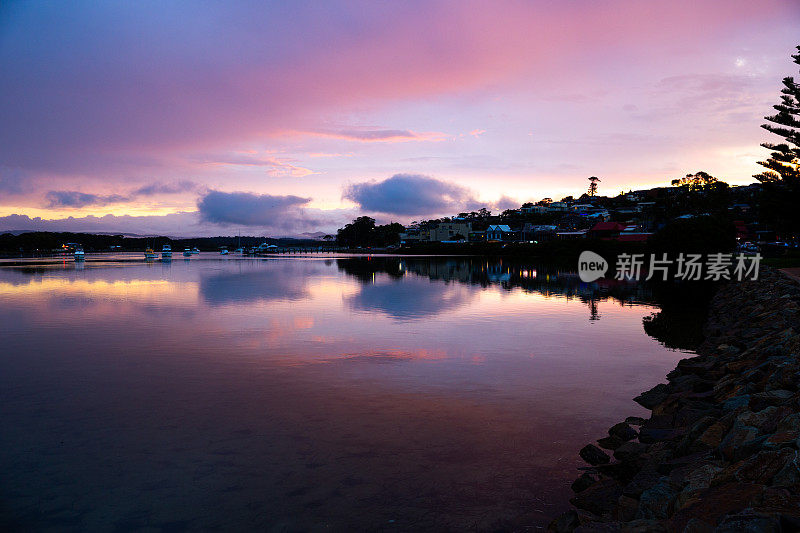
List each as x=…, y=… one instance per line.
x=149, y=254
x=187, y=252
x=166, y=252
x=79, y=254
x=195, y=250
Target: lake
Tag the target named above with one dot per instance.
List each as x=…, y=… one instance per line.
x=308, y=393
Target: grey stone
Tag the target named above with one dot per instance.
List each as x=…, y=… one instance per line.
x=629, y=450
x=653, y=397
x=583, y=482
x=594, y=455
x=656, y=502
x=622, y=431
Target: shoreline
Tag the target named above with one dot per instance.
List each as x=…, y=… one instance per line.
x=720, y=449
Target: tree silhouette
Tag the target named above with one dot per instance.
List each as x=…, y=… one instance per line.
x=782, y=178
x=593, y=185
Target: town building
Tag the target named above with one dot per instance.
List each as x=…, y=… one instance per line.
x=449, y=231
x=501, y=232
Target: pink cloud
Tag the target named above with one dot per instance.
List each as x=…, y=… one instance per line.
x=123, y=94
x=275, y=166
x=121, y=80
x=386, y=136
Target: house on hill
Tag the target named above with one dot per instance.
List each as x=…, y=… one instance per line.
x=501, y=232
x=450, y=231
x=606, y=230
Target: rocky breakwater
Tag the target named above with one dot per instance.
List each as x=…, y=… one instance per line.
x=720, y=449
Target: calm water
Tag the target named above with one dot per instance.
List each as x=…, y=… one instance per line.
x=307, y=394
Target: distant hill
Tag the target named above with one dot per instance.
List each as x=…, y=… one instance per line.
x=316, y=235
x=42, y=242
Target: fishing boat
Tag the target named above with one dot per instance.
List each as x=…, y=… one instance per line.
x=166, y=252
x=149, y=254
x=187, y=252
x=79, y=255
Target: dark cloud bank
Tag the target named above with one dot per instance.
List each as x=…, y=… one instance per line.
x=411, y=194
x=76, y=199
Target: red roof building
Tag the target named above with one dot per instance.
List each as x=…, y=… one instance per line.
x=606, y=230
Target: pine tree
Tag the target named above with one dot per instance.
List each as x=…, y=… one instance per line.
x=782, y=178
x=593, y=185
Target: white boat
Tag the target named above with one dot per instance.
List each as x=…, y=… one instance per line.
x=224, y=251
x=187, y=252
x=149, y=254
x=195, y=250
x=79, y=255
x=264, y=248
x=166, y=252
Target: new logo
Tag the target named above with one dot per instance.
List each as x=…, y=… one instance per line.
x=591, y=266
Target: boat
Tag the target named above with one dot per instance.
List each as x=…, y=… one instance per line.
x=195, y=250
x=265, y=248
x=187, y=252
x=166, y=252
x=79, y=255
x=224, y=251
x=239, y=251
x=149, y=254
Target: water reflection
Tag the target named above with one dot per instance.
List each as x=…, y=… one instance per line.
x=413, y=299
x=307, y=394
x=279, y=281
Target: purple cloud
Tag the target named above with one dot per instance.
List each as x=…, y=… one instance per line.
x=247, y=209
x=165, y=188
x=76, y=199
x=410, y=194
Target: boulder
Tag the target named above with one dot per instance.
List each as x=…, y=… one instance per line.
x=610, y=443
x=653, y=397
x=761, y=467
x=629, y=451
x=594, y=455
x=789, y=475
x=748, y=522
x=712, y=437
x=600, y=498
x=566, y=523
x=731, y=445
x=656, y=502
x=583, y=482
x=622, y=431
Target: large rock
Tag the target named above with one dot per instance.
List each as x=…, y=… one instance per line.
x=789, y=475
x=583, y=482
x=760, y=468
x=712, y=437
x=748, y=522
x=566, y=523
x=610, y=443
x=594, y=455
x=653, y=397
x=731, y=445
x=629, y=451
x=622, y=431
x=656, y=502
x=600, y=498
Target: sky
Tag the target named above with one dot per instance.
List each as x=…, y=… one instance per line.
x=281, y=118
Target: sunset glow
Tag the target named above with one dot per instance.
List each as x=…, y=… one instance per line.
x=139, y=110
